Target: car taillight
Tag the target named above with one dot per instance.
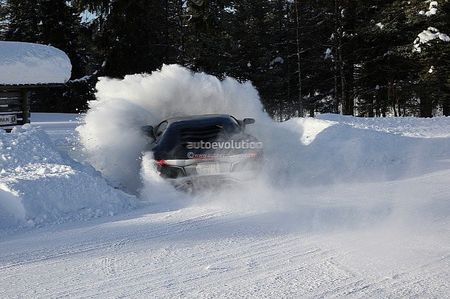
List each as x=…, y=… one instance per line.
x=168, y=171
x=161, y=162
x=251, y=155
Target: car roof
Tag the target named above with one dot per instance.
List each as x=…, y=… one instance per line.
x=205, y=117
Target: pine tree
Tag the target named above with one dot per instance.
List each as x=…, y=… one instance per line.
x=337, y=56
x=175, y=31
x=4, y=18
x=132, y=40
x=208, y=37
x=315, y=29
x=59, y=26
x=434, y=56
x=385, y=67
x=23, y=20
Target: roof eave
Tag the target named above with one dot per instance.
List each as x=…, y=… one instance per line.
x=30, y=86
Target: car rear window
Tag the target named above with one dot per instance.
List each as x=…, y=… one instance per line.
x=177, y=135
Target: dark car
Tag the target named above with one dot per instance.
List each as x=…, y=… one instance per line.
x=204, y=150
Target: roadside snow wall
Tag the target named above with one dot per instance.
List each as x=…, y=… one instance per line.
x=39, y=185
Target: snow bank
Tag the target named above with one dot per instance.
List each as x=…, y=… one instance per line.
x=436, y=127
x=39, y=185
x=111, y=134
x=349, y=149
x=12, y=212
x=26, y=63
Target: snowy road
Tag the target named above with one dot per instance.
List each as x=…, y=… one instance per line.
x=204, y=252
x=370, y=239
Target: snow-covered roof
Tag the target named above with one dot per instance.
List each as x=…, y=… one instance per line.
x=27, y=63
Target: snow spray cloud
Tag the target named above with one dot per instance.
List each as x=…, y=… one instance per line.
x=111, y=134
x=311, y=179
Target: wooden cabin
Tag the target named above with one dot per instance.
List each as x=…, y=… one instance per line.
x=25, y=68
x=15, y=103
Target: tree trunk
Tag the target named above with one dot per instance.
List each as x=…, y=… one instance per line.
x=426, y=107
x=338, y=59
x=299, y=65
x=446, y=104
x=347, y=57
x=336, y=90
x=349, y=101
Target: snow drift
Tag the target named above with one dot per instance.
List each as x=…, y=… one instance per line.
x=349, y=150
x=39, y=185
x=27, y=63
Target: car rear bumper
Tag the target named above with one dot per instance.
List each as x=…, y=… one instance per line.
x=211, y=181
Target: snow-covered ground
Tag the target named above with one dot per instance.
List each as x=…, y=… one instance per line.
x=356, y=208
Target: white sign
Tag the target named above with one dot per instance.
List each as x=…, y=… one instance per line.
x=8, y=119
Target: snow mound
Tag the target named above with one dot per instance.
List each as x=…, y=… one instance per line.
x=111, y=134
x=437, y=127
x=26, y=63
x=39, y=185
x=349, y=149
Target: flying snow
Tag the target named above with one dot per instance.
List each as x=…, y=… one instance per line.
x=111, y=134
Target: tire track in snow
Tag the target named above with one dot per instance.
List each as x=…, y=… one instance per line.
x=398, y=285
x=129, y=281
x=64, y=255
x=163, y=232
x=43, y=255
x=231, y=263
